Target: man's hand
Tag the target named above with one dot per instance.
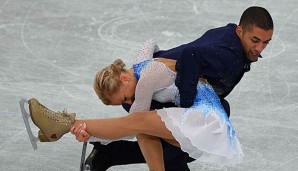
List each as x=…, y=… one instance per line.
x=80, y=132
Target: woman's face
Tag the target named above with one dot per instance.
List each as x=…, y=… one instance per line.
x=126, y=92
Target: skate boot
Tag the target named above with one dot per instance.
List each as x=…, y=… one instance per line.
x=52, y=125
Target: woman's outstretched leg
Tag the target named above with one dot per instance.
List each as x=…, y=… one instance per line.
x=146, y=125
x=53, y=125
x=137, y=123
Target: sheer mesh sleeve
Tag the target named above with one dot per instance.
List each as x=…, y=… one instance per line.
x=154, y=77
x=147, y=50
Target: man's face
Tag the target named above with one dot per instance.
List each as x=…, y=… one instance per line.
x=254, y=40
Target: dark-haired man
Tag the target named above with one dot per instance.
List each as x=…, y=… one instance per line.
x=222, y=55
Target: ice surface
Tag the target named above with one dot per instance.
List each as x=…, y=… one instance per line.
x=51, y=50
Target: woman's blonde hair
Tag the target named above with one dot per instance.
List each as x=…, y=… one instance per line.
x=107, y=81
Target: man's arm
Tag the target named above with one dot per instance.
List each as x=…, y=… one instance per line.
x=189, y=69
x=154, y=105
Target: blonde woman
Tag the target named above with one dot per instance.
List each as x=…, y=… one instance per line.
x=204, y=130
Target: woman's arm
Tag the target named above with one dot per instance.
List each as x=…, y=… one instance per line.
x=154, y=77
x=147, y=50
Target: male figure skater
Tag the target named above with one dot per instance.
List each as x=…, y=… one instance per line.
x=222, y=55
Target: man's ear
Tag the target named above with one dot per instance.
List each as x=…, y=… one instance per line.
x=239, y=31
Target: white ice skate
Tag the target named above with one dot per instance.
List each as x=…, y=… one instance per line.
x=26, y=117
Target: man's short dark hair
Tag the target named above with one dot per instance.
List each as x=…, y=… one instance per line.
x=257, y=16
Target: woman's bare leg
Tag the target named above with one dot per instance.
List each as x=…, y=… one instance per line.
x=152, y=151
x=137, y=123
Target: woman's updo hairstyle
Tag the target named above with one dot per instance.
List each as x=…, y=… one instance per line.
x=107, y=81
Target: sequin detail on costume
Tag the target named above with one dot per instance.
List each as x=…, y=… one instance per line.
x=206, y=99
x=139, y=67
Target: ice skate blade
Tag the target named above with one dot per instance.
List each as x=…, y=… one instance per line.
x=84, y=167
x=26, y=117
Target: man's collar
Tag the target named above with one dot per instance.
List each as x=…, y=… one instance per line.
x=247, y=64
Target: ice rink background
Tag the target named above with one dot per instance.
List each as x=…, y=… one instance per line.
x=51, y=50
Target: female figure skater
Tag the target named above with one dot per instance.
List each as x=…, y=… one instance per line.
x=204, y=130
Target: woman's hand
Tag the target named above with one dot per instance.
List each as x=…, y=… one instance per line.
x=80, y=132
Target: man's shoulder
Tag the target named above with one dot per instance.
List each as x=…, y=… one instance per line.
x=228, y=27
x=226, y=38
